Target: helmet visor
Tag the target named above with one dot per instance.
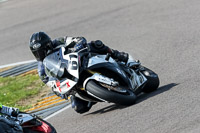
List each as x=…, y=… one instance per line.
x=40, y=54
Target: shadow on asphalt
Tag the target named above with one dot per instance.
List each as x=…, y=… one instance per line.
x=107, y=109
x=160, y=90
x=140, y=98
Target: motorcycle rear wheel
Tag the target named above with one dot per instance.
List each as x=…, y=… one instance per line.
x=111, y=96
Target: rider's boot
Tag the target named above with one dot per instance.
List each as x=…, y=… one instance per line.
x=79, y=105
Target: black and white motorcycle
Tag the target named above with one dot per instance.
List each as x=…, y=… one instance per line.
x=98, y=78
x=24, y=123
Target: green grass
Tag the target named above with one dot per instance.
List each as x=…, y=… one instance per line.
x=15, y=89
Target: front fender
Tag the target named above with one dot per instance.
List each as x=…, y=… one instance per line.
x=111, y=70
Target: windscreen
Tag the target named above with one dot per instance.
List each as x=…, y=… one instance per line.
x=53, y=63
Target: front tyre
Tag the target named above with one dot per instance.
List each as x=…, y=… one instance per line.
x=104, y=93
x=152, y=80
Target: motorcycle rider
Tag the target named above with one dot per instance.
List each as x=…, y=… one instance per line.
x=41, y=45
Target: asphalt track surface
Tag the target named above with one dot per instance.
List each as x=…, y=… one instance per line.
x=163, y=34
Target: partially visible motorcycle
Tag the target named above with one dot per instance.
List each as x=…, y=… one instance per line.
x=98, y=78
x=27, y=123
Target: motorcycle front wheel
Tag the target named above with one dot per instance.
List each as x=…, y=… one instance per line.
x=106, y=94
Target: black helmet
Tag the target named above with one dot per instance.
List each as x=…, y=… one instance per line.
x=40, y=43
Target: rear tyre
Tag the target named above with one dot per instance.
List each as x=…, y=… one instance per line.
x=96, y=89
x=152, y=80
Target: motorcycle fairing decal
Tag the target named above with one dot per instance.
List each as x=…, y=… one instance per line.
x=102, y=79
x=65, y=86
x=58, y=85
x=68, y=84
x=73, y=66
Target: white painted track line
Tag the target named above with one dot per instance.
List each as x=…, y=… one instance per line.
x=18, y=63
x=54, y=114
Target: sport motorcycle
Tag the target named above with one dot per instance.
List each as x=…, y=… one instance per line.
x=98, y=78
x=26, y=123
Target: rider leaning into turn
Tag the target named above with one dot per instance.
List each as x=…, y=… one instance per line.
x=41, y=45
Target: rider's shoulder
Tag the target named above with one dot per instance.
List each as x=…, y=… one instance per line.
x=64, y=40
x=70, y=39
x=60, y=40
